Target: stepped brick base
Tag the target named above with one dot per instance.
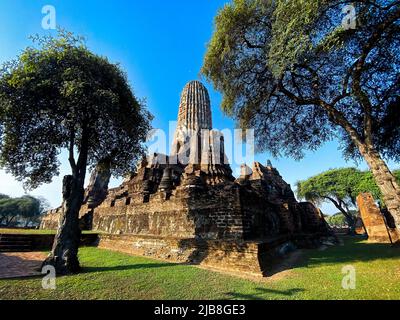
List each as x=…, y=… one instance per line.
x=35, y=242
x=252, y=258
x=15, y=243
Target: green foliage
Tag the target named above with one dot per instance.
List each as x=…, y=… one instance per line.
x=366, y=183
x=342, y=185
x=59, y=95
x=339, y=184
x=288, y=69
x=3, y=196
x=26, y=207
x=36, y=231
x=230, y=37
x=292, y=31
x=339, y=220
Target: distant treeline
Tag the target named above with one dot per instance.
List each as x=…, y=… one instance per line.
x=339, y=220
x=24, y=211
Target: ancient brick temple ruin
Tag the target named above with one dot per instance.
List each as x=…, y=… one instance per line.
x=194, y=210
x=378, y=224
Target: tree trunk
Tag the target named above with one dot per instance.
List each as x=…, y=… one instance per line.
x=352, y=223
x=64, y=255
x=386, y=183
x=349, y=219
x=8, y=221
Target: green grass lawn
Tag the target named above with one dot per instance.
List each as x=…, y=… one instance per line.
x=25, y=231
x=33, y=231
x=111, y=275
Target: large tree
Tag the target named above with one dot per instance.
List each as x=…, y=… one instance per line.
x=8, y=210
x=15, y=210
x=338, y=186
x=301, y=75
x=58, y=95
x=341, y=187
x=338, y=220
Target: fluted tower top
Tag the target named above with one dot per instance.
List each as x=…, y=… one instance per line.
x=194, y=108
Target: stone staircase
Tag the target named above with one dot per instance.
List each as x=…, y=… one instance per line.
x=15, y=243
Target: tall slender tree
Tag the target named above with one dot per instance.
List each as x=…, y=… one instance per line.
x=59, y=95
x=303, y=72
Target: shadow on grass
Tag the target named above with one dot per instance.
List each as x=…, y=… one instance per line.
x=264, y=291
x=128, y=267
x=353, y=250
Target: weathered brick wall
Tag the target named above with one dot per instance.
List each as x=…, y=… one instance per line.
x=50, y=220
x=216, y=212
x=156, y=217
x=173, y=249
x=229, y=255
x=268, y=204
x=41, y=242
x=374, y=221
x=359, y=226
x=236, y=256
x=225, y=211
x=209, y=214
x=312, y=220
x=265, y=214
x=258, y=221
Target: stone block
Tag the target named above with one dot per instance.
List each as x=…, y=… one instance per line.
x=374, y=221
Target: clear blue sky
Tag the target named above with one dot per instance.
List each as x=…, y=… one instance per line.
x=161, y=45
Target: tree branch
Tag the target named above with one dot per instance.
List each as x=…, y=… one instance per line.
x=83, y=152
x=71, y=158
x=340, y=208
x=335, y=115
x=250, y=45
x=361, y=96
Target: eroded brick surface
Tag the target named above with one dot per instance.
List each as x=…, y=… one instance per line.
x=374, y=221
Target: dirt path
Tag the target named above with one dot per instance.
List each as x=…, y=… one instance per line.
x=20, y=264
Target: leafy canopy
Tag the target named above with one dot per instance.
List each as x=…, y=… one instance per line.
x=290, y=70
x=24, y=207
x=340, y=185
x=336, y=184
x=58, y=95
